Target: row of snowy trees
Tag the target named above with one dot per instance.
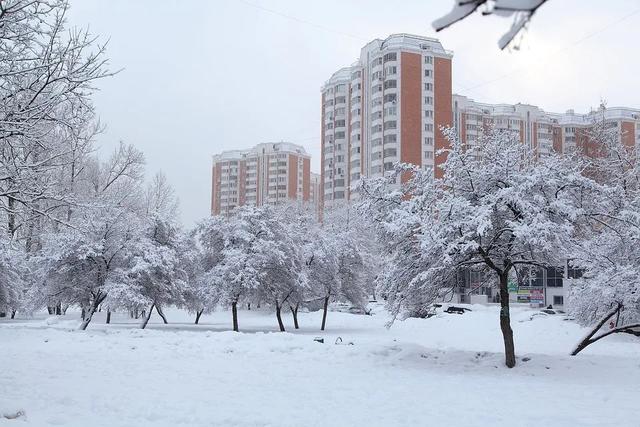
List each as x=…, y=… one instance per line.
x=80, y=231
x=281, y=257
x=502, y=210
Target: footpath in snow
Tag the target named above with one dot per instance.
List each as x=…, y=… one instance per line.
x=446, y=370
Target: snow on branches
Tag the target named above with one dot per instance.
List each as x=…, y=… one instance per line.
x=497, y=209
x=521, y=10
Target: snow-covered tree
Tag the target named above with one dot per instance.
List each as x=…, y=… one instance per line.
x=12, y=278
x=82, y=260
x=608, y=291
x=47, y=120
x=46, y=79
x=154, y=276
x=496, y=209
x=203, y=293
x=237, y=274
x=334, y=262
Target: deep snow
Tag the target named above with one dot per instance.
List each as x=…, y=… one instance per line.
x=446, y=370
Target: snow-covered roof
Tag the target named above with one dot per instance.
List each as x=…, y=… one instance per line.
x=262, y=148
x=570, y=117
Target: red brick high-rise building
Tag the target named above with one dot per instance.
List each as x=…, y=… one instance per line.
x=269, y=173
x=385, y=108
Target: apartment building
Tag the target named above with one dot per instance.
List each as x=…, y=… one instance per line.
x=543, y=131
x=269, y=173
x=314, y=194
x=385, y=108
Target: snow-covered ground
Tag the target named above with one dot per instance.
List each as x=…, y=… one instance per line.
x=443, y=371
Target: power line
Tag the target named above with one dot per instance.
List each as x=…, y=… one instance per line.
x=301, y=21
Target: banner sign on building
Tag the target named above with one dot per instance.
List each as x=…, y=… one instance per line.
x=537, y=296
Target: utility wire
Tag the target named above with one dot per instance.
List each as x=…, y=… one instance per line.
x=301, y=21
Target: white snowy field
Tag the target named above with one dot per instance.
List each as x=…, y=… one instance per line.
x=444, y=371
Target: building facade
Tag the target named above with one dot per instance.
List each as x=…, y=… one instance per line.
x=385, y=108
x=269, y=173
x=542, y=131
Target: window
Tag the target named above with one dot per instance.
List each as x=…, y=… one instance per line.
x=428, y=113
x=558, y=300
x=428, y=127
x=339, y=135
x=428, y=154
x=428, y=87
x=391, y=124
x=428, y=140
x=389, y=139
x=390, y=97
x=391, y=111
x=389, y=84
x=574, y=272
x=392, y=56
x=428, y=100
x=554, y=277
x=428, y=59
x=390, y=152
x=391, y=70
x=339, y=123
x=428, y=73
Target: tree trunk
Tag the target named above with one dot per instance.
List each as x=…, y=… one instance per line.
x=588, y=339
x=505, y=322
x=234, y=313
x=88, y=315
x=13, y=314
x=294, y=313
x=279, y=317
x=83, y=314
x=249, y=306
x=159, y=310
x=146, y=319
x=11, y=216
x=198, y=314
x=324, y=313
x=59, y=309
x=108, y=316
x=50, y=310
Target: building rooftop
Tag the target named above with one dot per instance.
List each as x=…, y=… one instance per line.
x=265, y=148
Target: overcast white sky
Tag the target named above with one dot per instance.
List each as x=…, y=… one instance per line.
x=205, y=76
